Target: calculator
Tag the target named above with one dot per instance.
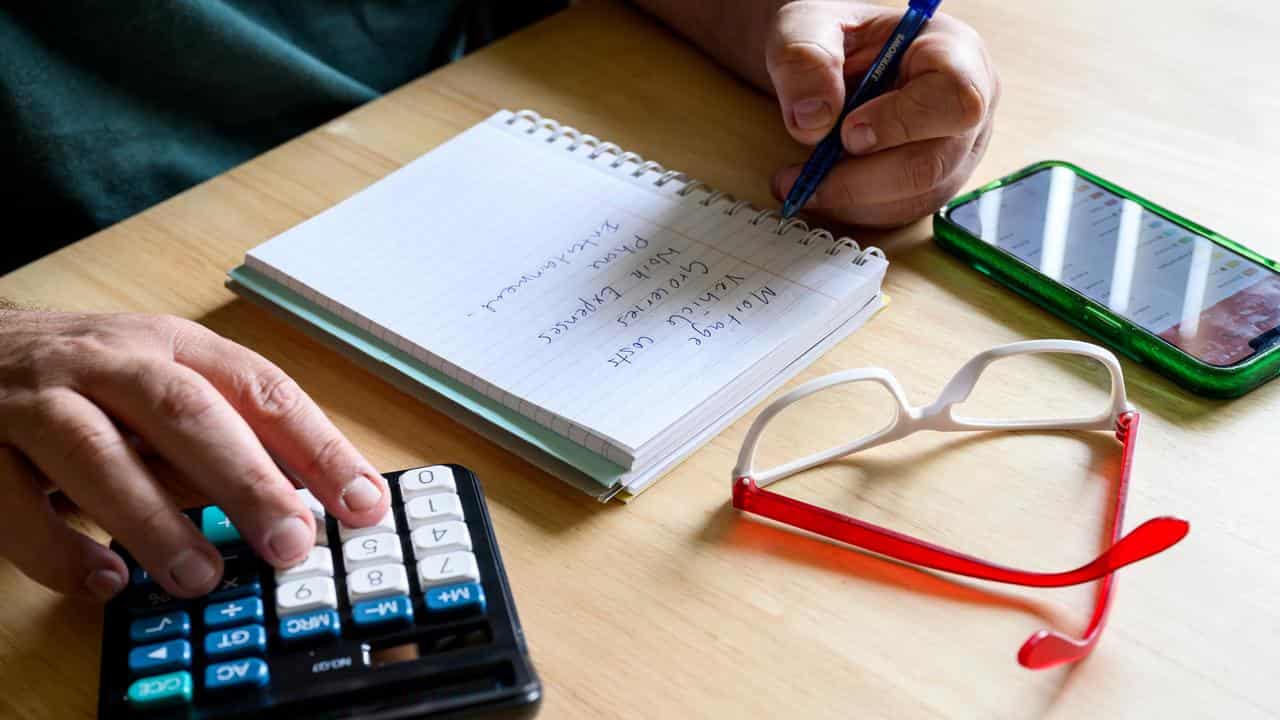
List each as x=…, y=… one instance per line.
x=409, y=618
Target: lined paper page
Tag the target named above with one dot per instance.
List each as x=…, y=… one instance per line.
x=591, y=301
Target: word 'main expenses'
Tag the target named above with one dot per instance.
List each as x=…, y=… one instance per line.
x=551, y=264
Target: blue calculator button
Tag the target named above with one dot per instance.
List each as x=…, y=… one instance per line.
x=170, y=625
x=315, y=624
x=160, y=657
x=217, y=526
x=160, y=690
x=245, y=672
x=245, y=640
x=237, y=584
x=233, y=612
x=138, y=576
x=456, y=598
x=384, y=610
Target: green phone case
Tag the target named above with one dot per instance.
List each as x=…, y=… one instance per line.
x=1117, y=332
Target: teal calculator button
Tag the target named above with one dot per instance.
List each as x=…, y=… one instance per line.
x=245, y=672
x=170, y=625
x=233, y=612
x=246, y=640
x=463, y=597
x=160, y=690
x=311, y=625
x=217, y=526
x=160, y=657
x=383, y=610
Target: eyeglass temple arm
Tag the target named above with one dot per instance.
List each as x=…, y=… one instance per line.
x=1047, y=648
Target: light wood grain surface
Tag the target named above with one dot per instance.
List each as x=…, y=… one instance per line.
x=676, y=606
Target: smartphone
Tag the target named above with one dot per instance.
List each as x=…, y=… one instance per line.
x=1201, y=309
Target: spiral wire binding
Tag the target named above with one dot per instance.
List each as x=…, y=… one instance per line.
x=578, y=139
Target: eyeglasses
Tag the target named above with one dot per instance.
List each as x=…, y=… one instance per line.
x=1045, y=648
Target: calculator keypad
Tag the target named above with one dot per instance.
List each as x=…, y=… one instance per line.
x=415, y=567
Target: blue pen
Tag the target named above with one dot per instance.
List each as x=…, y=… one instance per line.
x=876, y=83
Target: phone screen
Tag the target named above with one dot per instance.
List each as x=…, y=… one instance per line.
x=1211, y=302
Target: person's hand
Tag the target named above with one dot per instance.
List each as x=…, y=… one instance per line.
x=911, y=149
x=80, y=395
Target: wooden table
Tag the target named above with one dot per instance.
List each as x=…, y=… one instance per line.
x=676, y=606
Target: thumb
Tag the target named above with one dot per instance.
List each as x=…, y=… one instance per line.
x=805, y=58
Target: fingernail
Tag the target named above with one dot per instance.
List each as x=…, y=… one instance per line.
x=812, y=114
x=193, y=571
x=290, y=539
x=859, y=139
x=361, y=494
x=104, y=584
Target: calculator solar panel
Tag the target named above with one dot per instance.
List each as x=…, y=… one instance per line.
x=409, y=618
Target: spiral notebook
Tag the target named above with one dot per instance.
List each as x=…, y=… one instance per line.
x=589, y=309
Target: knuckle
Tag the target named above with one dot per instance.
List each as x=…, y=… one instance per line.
x=971, y=104
x=179, y=398
x=325, y=457
x=94, y=443
x=806, y=56
x=924, y=171
x=272, y=394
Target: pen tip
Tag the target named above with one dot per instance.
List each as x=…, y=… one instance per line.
x=788, y=210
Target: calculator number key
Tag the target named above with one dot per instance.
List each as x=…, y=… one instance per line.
x=385, y=524
x=448, y=569
x=441, y=538
x=299, y=596
x=369, y=550
x=427, y=480
x=318, y=563
x=377, y=581
x=432, y=509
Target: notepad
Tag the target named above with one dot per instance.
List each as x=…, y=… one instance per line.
x=592, y=310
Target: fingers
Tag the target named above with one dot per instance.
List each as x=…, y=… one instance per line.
x=887, y=176
x=947, y=93
x=291, y=426
x=805, y=56
x=77, y=446
x=180, y=414
x=41, y=544
x=913, y=186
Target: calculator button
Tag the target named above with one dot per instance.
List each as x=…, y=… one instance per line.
x=431, y=509
x=246, y=640
x=233, y=612
x=237, y=582
x=170, y=625
x=384, y=610
x=316, y=624
x=427, y=480
x=386, y=524
x=372, y=550
x=160, y=657
x=245, y=672
x=467, y=597
x=440, y=538
x=138, y=576
x=150, y=598
x=314, y=505
x=160, y=690
x=318, y=563
x=217, y=527
x=447, y=569
x=377, y=581
x=298, y=596
x=322, y=534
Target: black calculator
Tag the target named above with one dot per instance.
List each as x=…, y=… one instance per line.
x=409, y=618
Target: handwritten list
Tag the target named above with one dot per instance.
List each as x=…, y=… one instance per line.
x=580, y=295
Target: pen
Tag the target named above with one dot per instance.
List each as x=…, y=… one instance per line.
x=878, y=80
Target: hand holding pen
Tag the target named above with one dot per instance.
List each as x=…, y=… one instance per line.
x=914, y=131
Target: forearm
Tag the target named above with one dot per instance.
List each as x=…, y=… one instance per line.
x=732, y=31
